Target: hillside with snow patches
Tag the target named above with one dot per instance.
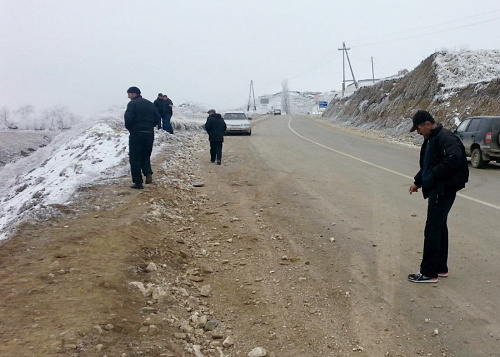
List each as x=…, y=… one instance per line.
x=450, y=85
x=91, y=153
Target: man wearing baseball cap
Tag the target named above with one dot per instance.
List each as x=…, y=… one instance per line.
x=141, y=117
x=443, y=171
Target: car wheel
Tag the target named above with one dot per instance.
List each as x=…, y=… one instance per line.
x=476, y=159
x=249, y=133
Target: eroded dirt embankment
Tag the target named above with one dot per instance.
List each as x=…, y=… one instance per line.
x=389, y=105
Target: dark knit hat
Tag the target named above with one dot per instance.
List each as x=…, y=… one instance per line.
x=211, y=111
x=421, y=117
x=134, y=90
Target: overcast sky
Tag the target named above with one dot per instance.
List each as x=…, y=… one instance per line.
x=85, y=54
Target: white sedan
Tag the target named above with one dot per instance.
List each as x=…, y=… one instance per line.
x=237, y=122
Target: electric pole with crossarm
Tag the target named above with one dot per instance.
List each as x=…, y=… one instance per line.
x=344, y=49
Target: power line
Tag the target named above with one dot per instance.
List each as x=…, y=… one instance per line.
x=427, y=33
x=461, y=20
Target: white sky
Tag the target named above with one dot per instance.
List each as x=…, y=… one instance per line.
x=85, y=54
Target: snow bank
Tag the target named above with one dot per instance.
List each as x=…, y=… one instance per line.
x=459, y=69
x=89, y=153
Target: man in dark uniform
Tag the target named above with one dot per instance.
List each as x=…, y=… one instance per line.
x=167, y=114
x=215, y=127
x=159, y=103
x=443, y=171
x=141, y=117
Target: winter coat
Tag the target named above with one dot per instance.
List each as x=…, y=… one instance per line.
x=159, y=103
x=141, y=115
x=449, y=170
x=215, y=127
x=167, y=109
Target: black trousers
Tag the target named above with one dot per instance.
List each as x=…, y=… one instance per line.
x=166, y=125
x=215, y=151
x=140, y=146
x=435, y=258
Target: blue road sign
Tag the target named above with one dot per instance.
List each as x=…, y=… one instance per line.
x=322, y=104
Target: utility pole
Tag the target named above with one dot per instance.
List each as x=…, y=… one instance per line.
x=250, y=97
x=344, y=49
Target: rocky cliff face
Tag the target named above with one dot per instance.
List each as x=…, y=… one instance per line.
x=451, y=86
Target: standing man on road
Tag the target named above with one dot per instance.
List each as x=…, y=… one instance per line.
x=159, y=104
x=141, y=117
x=443, y=171
x=167, y=114
x=215, y=127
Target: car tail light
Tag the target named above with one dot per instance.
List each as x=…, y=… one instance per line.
x=487, y=138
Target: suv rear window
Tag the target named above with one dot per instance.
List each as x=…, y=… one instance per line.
x=474, y=126
x=485, y=125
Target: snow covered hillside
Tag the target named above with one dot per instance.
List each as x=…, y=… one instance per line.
x=460, y=69
x=90, y=153
x=450, y=85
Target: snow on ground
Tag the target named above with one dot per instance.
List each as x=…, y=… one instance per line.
x=461, y=68
x=84, y=155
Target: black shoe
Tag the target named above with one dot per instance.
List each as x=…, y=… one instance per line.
x=137, y=186
x=218, y=162
x=420, y=278
x=443, y=275
x=149, y=179
x=212, y=160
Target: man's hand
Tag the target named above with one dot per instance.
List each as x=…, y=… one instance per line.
x=413, y=188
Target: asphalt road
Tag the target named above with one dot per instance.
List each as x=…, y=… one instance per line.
x=357, y=186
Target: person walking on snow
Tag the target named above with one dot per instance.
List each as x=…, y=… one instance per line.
x=443, y=171
x=141, y=117
x=215, y=127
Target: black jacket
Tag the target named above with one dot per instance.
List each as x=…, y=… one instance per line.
x=141, y=115
x=448, y=162
x=159, y=103
x=167, y=109
x=215, y=127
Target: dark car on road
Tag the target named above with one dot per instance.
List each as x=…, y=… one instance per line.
x=481, y=138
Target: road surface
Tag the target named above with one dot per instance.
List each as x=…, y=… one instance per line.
x=354, y=190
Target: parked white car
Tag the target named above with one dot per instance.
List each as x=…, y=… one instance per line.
x=237, y=122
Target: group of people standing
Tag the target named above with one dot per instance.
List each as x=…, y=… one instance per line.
x=142, y=117
x=164, y=106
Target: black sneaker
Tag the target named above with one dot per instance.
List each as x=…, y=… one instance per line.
x=443, y=275
x=149, y=179
x=218, y=162
x=137, y=186
x=420, y=278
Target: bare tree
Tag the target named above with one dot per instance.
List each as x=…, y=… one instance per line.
x=23, y=115
x=285, y=97
x=61, y=118
x=4, y=117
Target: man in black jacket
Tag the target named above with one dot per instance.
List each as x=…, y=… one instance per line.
x=215, y=127
x=167, y=114
x=159, y=103
x=443, y=171
x=141, y=117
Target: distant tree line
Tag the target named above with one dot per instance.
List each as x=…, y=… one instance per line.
x=25, y=118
